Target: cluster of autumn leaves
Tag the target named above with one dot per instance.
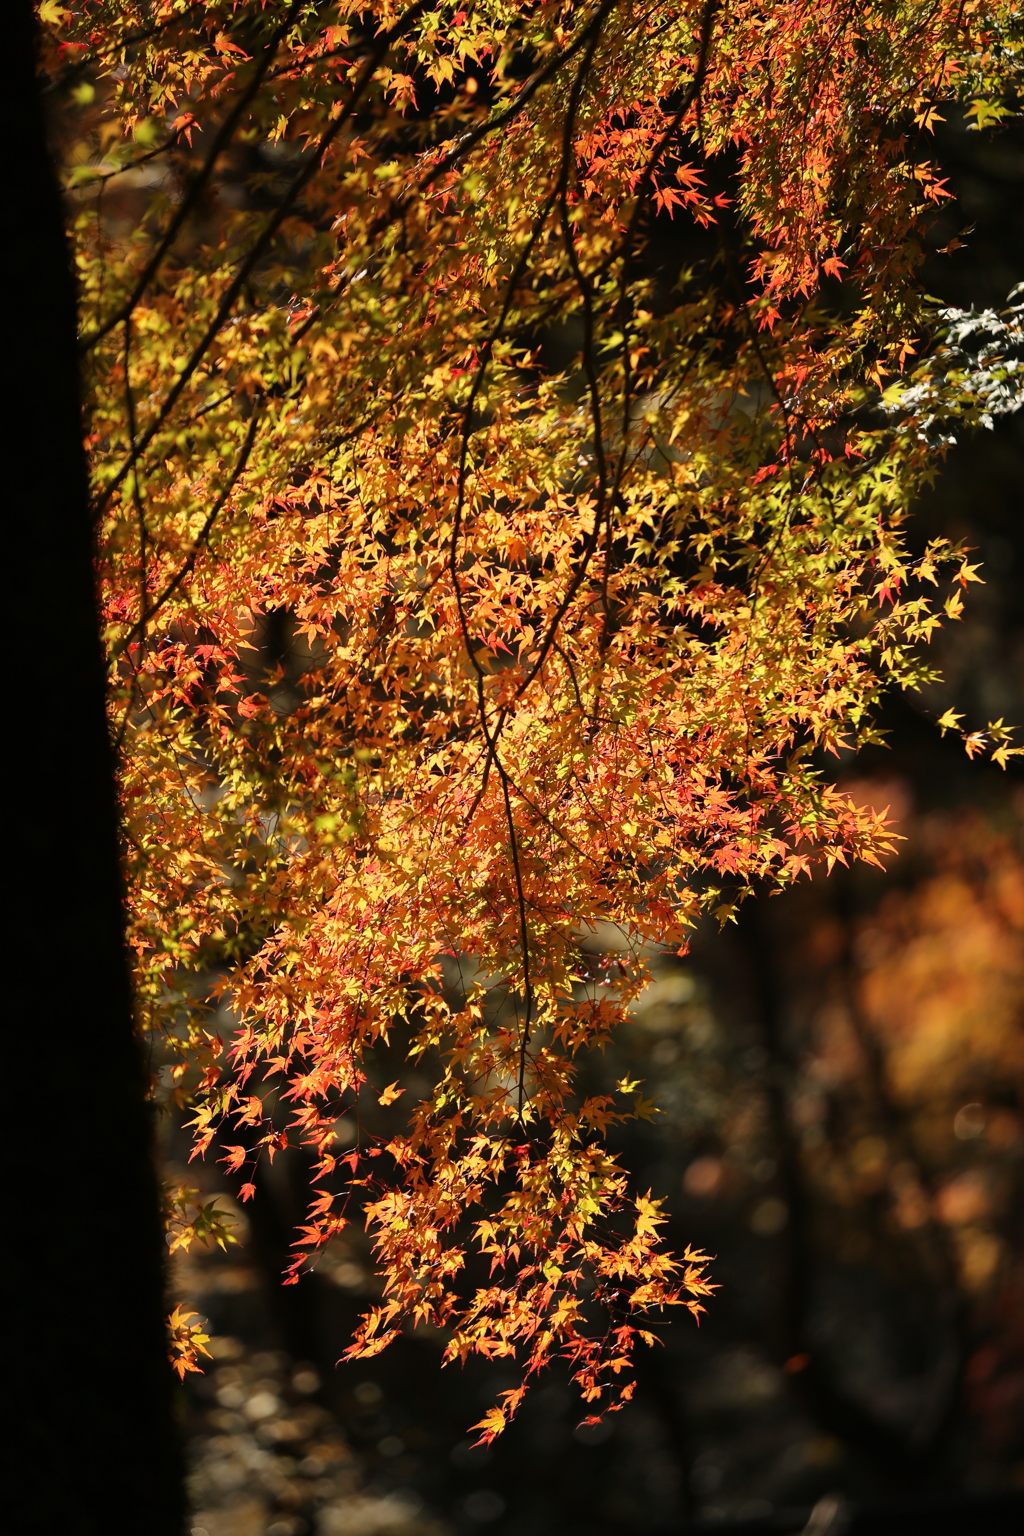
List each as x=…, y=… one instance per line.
x=498, y=530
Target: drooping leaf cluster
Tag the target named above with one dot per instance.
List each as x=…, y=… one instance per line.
x=500, y=524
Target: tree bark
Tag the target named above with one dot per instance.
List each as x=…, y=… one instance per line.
x=90, y=1423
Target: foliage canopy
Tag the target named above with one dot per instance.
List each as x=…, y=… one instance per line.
x=502, y=441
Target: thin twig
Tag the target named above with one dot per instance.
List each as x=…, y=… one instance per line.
x=140, y=510
x=466, y=143
x=220, y=141
x=273, y=224
x=204, y=533
x=622, y=252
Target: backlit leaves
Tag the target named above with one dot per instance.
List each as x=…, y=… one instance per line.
x=481, y=572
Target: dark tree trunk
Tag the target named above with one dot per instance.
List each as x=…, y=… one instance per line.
x=89, y=1387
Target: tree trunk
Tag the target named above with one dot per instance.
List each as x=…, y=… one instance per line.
x=90, y=1423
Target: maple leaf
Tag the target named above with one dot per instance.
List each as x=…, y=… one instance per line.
x=234, y=1158
x=490, y=1426
x=645, y=1109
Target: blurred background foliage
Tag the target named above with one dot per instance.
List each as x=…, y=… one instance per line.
x=840, y=1084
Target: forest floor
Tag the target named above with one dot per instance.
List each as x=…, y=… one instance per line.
x=265, y=1456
